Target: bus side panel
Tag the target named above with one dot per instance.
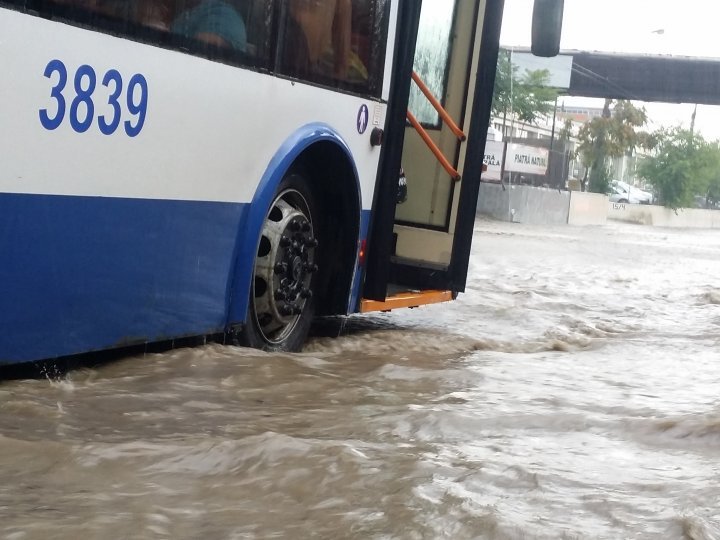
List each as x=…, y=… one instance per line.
x=83, y=273
x=109, y=238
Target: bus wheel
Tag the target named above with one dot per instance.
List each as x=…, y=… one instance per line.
x=281, y=296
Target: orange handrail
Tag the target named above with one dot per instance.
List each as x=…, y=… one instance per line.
x=438, y=107
x=433, y=147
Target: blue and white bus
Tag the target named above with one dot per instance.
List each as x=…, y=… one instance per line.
x=174, y=168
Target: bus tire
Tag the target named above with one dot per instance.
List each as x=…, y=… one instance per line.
x=285, y=272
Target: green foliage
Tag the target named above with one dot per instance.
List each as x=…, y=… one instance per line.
x=599, y=179
x=611, y=135
x=712, y=195
x=566, y=131
x=526, y=95
x=684, y=165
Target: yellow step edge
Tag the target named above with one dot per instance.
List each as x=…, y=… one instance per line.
x=408, y=299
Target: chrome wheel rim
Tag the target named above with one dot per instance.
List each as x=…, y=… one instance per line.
x=284, y=266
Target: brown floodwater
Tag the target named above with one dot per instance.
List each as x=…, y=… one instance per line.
x=572, y=392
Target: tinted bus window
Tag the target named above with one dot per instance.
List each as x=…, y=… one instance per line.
x=233, y=31
x=335, y=43
x=338, y=43
x=259, y=19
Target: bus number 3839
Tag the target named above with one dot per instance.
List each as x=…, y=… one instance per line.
x=82, y=107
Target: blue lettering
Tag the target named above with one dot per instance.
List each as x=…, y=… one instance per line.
x=82, y=106
x=55, y=66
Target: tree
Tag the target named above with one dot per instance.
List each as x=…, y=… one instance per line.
x=614, y=134
x=683, y=166
x=566, y=131
x=527, y=95
x=712, y=195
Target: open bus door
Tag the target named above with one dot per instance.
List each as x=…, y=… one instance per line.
x=423, y=244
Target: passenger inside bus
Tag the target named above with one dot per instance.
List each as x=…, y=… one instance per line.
x=318, y=37
x=213, y=22
x=156, y=14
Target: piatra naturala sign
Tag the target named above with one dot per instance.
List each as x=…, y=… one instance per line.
x=493, y=160
x=526, y=159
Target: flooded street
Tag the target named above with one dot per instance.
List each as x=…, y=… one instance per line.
x=572, y=392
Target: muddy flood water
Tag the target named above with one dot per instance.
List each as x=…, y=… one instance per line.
x=572, y=392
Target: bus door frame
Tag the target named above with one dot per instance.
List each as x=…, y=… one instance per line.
x=380, y=269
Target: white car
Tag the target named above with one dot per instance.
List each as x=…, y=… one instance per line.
x=622, y=192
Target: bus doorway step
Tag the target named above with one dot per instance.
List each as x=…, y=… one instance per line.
x=406, y=299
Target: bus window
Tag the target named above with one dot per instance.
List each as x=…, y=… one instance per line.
x=212, y=28
x=432, y=57
x=338, y=43
x=156, y=14
x=259, y=17
x=317, y=39
x=91, y=11
x=211, y=22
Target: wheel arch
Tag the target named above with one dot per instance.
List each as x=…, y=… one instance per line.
x=319, y=152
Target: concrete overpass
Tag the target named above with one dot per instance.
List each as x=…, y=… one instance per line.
x=641, y=77
x=672, y=79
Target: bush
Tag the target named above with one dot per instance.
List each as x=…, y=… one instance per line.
x=683, y=166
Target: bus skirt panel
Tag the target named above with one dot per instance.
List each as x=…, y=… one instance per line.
x=80, y=274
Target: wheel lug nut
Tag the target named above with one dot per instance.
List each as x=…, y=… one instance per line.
x=311, y=242
x=284, y=241
x=280, y=296
x=280, y=268
x=294, y=225
x=297, y=310
x=286, y=310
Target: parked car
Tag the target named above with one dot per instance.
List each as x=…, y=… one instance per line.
x=622, y=192
x=703, y=201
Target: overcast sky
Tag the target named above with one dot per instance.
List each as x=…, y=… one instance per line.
x=687, y=28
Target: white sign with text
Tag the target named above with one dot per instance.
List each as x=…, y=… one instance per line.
x=526, y=159
x=493, y=160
